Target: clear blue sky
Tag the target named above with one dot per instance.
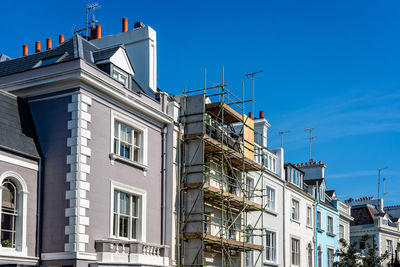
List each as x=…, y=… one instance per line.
x=332, y=65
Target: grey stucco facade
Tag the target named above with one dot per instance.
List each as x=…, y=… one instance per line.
x=101, y=176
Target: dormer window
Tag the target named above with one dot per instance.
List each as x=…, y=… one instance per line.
x=120, y=76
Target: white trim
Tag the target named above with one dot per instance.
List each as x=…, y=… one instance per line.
x=19, y=162
x=143, y=207
x=115, y=115
x=20, y=249
x=69, y=255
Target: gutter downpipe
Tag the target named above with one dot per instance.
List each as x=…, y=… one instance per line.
x=163, y=191
x=38, y=212
x=284, y=222
x=316, y=226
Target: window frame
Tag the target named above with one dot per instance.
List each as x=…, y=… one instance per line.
x=296, y=210
x=119, y=72
x=341, y=233
x=295, y=254
x=330, y=256
x=309, y=219
x=20, y=248
x=129, y=121
x=273, y=201
x=319, y=220
x=329, y=227
x=272, y=248
x=142, y=195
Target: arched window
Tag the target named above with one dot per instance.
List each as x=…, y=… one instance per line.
x=9, y=214
x=309, y=255
x=14, y=197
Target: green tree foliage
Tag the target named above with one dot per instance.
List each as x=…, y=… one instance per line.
x=349, y=255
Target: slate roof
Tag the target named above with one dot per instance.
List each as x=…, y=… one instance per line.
x=73, y=48
x=17, y=131
x=105, y=53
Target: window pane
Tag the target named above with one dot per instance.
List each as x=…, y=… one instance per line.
x=136, y=154
x=134, y=228
x=116, y=123
x=115, y=201
x=137, y=136
x=123, y=226
x=124, y=203
x=115, y=224
x=134, y=206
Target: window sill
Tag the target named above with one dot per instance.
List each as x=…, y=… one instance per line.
x=270, y=263
x=295, y=221
x=330, y=234
x=114, y=157
x=320, y=230
x=309, y=226
x=272, y=212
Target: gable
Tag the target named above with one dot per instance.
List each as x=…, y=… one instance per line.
x=121, y=60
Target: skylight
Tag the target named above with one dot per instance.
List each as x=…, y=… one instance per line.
x=50, y=60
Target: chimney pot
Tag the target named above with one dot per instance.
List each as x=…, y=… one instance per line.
x=61, y=39
x=124, y=24
x=302, y=164
x=92, y=33
x=25, y=50
x=261, y=114
x=251, y=115
x=320, y=162
x=49, y=43
x=98, y=31
x=37, y=46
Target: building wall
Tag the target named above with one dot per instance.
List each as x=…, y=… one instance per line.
x=50, y=117
x=324, y=239
x=297, y=229
x=104, y=171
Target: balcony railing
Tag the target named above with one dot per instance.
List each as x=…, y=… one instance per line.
x=134, y=252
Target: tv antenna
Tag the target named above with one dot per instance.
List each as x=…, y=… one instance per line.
x=379, y=180
x=281, y=133
x=310, y=138
x=90, y=7
x=252, y=83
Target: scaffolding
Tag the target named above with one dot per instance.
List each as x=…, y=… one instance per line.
x=216, y=195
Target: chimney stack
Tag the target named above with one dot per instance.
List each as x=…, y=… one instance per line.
x=98, y=32
x=25, y=50
x=49, y=43
x=251, y=115
x=261, y=114
x=124, y=24
x=37, y=47
x=61, y=39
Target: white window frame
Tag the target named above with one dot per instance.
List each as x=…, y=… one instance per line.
x=310, y=261
x=341, y=231
x=140, y=193
x=117, y=116
x=309, y=216
x=389, y=248
x=319, y=222
x=293, y=253
x=297, y=210
x=119, y=73
x=330, y=252
x=329, y=227
x=21, y=227
x=273, y=247
x=273, y=200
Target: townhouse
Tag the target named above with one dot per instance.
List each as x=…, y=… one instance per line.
x=83, y=138
x=379, y=223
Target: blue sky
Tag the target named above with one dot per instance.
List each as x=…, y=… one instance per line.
x=332, y=65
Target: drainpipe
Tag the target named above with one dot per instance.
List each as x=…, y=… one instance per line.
x=284, y=223
x=163, y=190
x=39, y=209
x=316, y=226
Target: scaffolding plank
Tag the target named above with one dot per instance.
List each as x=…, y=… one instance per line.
x=230, y=115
